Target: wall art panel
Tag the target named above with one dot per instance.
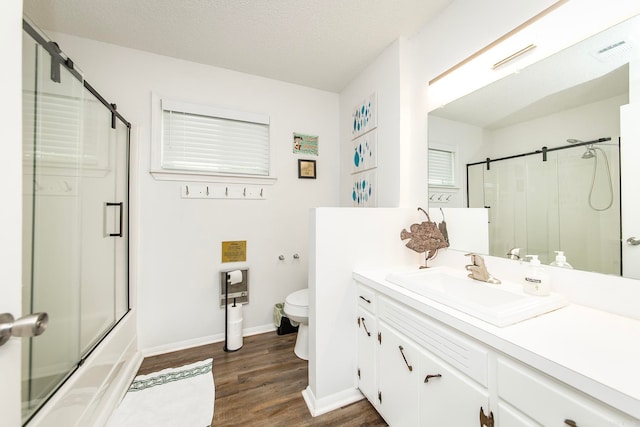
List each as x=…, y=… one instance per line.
x=365, y=151
x=365, y=116
x=364, y=189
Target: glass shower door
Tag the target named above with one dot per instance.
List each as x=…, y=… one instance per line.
x=75, y=268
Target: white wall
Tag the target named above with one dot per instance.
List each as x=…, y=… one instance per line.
x=180, y=239
x=383, y=78
x=343, y=240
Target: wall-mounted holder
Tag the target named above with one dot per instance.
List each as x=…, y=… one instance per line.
x=238, y=291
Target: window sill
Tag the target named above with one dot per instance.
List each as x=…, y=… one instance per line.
x=208, y=177
x=444, y=187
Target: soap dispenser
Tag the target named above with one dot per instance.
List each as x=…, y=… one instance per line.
x=536, y=280
x=561, y=260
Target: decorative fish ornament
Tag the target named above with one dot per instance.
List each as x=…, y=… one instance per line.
x=424, y=237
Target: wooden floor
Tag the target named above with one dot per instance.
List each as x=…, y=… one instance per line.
x=261, y=385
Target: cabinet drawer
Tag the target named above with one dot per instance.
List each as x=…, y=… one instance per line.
x=550, y=402
x=366, y=298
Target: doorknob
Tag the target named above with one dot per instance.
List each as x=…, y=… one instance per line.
x=633, y=241
x=30, y=325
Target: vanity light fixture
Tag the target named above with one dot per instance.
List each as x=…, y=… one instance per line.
x=513, y=56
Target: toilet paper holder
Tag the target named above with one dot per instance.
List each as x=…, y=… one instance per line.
x=236, y=291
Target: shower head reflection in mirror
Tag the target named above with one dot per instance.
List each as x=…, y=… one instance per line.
x=592, y=153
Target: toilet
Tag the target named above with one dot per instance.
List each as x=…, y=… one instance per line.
x=296, y=307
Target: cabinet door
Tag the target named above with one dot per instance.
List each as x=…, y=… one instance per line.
x=367, y=341
x=399, y=378
x=447, y=396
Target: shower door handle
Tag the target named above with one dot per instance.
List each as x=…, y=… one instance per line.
x=30, y=325
x=633, y=241
x=120, y=205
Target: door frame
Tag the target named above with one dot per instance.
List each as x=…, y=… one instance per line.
x=11, y=212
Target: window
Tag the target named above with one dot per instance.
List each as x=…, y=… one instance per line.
x=205, y=140
x=442, y=167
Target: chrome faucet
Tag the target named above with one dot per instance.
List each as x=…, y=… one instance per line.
x=478, y=270
x=514, y=253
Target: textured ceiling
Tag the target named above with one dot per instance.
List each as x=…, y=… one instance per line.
x=317, y=43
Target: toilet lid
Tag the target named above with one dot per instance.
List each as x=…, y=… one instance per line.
x=299, y=298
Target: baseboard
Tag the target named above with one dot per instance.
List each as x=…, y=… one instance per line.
x=208, y=339
x=330, y=403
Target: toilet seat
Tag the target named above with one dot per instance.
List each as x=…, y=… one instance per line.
x=296, y=307
x=297, y=303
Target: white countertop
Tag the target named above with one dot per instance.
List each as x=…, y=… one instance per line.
x=591, y=350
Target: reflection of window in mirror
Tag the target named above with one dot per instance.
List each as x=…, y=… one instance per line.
x=442, y=167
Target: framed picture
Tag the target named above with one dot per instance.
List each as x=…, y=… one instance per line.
x=305, y=144
x=306, y=169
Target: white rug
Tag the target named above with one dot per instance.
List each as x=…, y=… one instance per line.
x=180, y=397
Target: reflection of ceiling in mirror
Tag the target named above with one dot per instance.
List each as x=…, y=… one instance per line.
x=611, y=84
x=575, y=76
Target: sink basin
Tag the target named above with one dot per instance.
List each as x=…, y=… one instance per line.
x=501, y=305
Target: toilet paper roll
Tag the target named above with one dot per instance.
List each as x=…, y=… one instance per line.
x=234, y=314
x=234, y=277
x=234, y=342
x=234, y=334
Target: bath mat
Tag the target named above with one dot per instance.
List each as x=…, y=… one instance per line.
x=172, y=397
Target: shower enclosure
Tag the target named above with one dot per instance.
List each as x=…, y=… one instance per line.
x=75, y=217
x=562, y=199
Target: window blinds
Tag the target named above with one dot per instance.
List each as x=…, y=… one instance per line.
x=205, y=143
x=56, y=139
x=441, y=167
x=68, y=132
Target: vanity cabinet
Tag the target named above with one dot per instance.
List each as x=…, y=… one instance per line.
x=412, y=385
x=417, y=371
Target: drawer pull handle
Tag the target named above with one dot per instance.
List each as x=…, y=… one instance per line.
x=364, y=325
x=428, y=377
x=367, y=300
x=486, y=420
x=405, y=359
x=570, y=423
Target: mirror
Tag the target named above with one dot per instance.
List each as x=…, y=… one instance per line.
x=552, y=133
